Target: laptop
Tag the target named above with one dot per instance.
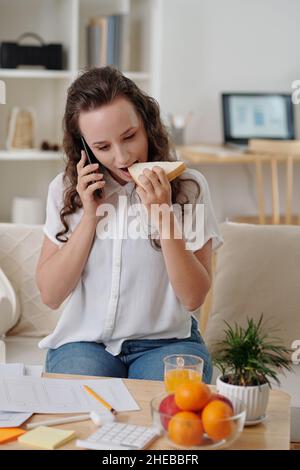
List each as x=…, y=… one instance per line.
x=256, y=116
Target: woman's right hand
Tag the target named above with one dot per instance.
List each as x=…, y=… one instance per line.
x=88, y=181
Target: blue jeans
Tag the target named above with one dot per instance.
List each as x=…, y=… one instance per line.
x=138, y=359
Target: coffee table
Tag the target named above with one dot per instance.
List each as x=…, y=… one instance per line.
x=272, y=434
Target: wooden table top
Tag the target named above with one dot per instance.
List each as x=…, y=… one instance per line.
x=273, y=433
x=204, y=154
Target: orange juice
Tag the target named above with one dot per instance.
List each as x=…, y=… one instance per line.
x=175, y=377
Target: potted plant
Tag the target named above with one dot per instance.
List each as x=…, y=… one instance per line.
x=249, y=359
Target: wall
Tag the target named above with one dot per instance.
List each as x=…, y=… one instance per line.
x=210, y=46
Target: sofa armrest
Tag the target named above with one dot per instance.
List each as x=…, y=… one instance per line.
x=2, y=352
x=9, y=305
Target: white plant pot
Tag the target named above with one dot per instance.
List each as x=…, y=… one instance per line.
x=255, y=398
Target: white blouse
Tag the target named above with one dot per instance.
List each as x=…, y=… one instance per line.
x=124, y=292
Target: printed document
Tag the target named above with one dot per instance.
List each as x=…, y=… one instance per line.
x=41, y=395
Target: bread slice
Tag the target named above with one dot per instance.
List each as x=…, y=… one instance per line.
x=172, y=169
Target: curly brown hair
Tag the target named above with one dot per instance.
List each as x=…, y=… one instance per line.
x=97, y=87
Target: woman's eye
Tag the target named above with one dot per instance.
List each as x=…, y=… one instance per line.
x=129, y=137
x=106, y=147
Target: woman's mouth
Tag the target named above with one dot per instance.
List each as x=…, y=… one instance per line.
x=125, y=170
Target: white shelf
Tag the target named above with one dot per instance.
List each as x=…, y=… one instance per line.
x=28, y=73
x=18, y=155
x=65, y=74
x=45, y=91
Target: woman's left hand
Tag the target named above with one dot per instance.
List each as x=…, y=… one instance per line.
x=156, y=188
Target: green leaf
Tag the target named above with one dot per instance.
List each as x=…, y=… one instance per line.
x=250, y=356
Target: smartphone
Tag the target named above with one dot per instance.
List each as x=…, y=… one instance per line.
x=92, y=159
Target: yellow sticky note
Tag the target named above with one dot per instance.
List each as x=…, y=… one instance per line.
x=10, y=434
x=47, y=437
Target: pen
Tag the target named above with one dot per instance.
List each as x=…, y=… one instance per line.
x=50, y=422
x=98, y=398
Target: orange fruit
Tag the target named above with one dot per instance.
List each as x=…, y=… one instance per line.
x=191, y=395
x=219, y=396
x=215, y=419
x=185, y=428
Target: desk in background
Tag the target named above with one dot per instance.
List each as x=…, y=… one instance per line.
x=274, y=433
x=288, y=153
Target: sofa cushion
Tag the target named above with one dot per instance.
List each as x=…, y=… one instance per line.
x=19, y=251
x=257, y=271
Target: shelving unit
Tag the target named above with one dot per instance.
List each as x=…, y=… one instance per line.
x=19, y=73
x=25, y=155
x=62, y=21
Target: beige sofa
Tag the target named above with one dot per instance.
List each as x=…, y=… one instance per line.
x=32, y=320
x=257, y=270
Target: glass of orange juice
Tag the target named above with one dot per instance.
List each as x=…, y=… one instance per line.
x=181, y=367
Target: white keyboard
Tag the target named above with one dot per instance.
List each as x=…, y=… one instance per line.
x=119, y=436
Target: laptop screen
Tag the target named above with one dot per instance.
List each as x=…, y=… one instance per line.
x=257, y=115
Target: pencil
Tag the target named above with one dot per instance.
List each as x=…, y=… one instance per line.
x=51, y=422
x=99, y=399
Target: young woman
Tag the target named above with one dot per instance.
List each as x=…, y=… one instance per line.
x=129, y=299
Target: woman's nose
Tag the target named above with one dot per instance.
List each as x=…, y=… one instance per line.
x=121, y=157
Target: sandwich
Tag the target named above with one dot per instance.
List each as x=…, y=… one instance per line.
x=172, y=169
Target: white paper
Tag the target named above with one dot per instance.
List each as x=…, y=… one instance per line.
x=9, y=419
x=39, y=395
x=19, y=369
x=11, y=370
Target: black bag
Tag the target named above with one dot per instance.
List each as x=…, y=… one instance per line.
x=13, y=54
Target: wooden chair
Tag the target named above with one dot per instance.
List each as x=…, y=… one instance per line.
x=273, y=152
